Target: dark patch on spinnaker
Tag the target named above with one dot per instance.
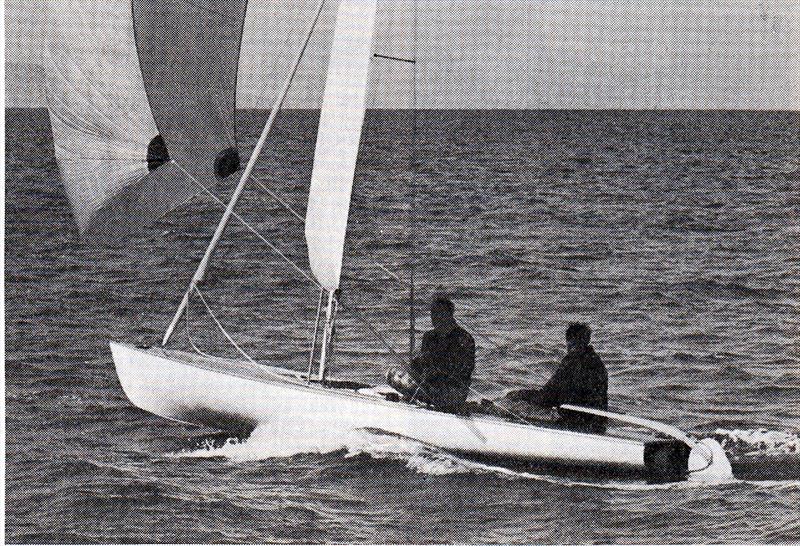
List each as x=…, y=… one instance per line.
x=189, y=56
x=227, y=162
x=157, y=153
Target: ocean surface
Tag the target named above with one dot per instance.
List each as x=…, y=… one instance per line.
x=676, y=235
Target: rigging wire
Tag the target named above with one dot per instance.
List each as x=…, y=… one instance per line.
x=277, y=198
x=189, y=335
x=315, y=336
x=222, y=328
x=236, y=346
x=469, y=324
x=355, y=311
x=255, y=232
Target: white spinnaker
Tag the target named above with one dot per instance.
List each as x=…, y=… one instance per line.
x=341, y=121
x=101, y=119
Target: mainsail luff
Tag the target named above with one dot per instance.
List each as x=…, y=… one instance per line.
x=338, y=139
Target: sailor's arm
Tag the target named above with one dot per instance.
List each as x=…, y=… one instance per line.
x=523, y=395
x=547, y=396
x=463, y=357
x=421, y=363
x=550, y=395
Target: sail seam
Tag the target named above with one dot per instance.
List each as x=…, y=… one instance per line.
x=140, y=71
x=98, y=132
x=236, y=75
x=103, y=159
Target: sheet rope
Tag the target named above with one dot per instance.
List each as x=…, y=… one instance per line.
x=394, y=276
x=356, y=312
x=241, y=351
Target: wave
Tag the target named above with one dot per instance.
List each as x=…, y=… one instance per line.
x=718, y=289
x=416, y=456
x=269, y=441
x=758, y=441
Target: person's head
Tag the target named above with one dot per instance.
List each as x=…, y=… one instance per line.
x=578, y=335
x=442, y=309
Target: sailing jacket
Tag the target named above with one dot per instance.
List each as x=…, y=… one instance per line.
x=445, y=366
x=580, y=379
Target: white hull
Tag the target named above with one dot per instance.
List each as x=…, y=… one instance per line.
x=198, y=390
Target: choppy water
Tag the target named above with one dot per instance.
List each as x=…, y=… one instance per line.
x=674, y=234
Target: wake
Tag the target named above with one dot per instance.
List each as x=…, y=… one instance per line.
x=275, y=441
x=759, y=442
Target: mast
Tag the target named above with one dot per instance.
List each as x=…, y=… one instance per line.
x=327, y=334
x=412, y=319
x=201, y=269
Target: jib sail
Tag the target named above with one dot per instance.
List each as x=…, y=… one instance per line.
x=338, y=139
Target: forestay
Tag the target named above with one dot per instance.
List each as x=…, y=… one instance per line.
x=121, y=113
x=339, y=135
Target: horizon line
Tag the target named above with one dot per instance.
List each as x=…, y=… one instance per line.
x=506, y=109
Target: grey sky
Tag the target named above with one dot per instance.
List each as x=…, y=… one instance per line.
x=521, y=54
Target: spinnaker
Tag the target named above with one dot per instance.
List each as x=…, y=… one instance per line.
x=142, y=101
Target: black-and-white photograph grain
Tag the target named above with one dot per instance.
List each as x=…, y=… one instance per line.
x=402, y=271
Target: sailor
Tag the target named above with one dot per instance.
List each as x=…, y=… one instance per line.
x=581, y=379
x=441, y=374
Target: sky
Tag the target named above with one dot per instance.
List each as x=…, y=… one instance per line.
x=739, y=54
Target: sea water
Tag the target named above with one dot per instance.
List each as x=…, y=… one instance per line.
x=673, y=234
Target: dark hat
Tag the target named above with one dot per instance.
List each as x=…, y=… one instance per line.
x=579, y=331
x=441, y=297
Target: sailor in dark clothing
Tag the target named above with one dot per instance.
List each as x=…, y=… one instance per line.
x=581, y=379
x=441, y=374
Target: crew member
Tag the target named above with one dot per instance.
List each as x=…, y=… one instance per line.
x=581, y=379
x=441, y=374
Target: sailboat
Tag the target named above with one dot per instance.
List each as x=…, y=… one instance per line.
x=145, y=119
